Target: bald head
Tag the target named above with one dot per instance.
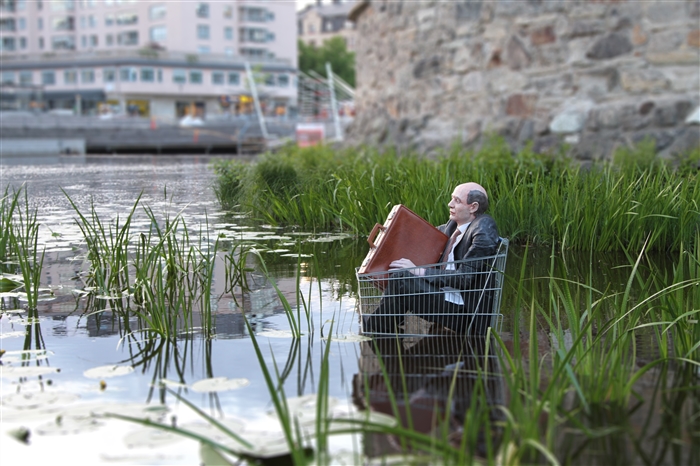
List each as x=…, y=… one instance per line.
x=473, y=192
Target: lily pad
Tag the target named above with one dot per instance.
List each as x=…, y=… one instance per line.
x=275, y=334
x=16, y=334
x=34, y=400
x=26, y=371
x=103, y=372
x=219, y=384
x=347, y=338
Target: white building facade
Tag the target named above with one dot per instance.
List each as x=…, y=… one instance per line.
x=156, y=58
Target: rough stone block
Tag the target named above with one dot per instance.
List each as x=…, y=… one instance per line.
x=543, y=35
x=426, y=67
x=672, y=112
x=584, y=28
x=468, y=58
x=643, y=81
x=639, y=37
x=521, y=105
x=468, y=10
x=666, y=12
x=693, y=38
x=665, y=41
x=676, y=57
x=517, y=56
x=610, y=46
x=504, y=81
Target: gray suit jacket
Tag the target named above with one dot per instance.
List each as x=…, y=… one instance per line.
x=480, y=240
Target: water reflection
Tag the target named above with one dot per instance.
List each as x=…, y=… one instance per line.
x=433, y=384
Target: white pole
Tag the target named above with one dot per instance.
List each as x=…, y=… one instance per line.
x=256, y=101
x=334, y=104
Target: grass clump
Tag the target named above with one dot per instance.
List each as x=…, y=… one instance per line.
x=536, y=199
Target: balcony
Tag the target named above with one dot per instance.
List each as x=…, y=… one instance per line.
x=139, y=56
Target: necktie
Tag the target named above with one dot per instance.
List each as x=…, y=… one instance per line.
x=450, y=245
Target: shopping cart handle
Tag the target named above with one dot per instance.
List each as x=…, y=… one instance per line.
x=373, y=234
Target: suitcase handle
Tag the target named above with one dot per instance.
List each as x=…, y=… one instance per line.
x=373, y=234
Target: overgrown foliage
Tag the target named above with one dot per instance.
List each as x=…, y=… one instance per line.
x=536, y=199
x=333, y=51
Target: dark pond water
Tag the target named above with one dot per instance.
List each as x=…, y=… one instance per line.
x=70, y=343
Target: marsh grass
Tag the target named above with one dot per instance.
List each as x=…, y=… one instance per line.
x=536, y=199
x=24, y=243
x=575, y=402
x=162, y=275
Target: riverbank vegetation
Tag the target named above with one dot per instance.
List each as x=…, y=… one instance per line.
x=583, y=386
x=634, y=200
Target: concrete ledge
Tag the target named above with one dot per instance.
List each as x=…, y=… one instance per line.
x=52, y=146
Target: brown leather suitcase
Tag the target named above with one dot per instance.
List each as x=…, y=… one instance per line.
x=404, y=234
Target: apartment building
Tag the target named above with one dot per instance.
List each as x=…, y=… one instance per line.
x=153, y=57
x=319, y=22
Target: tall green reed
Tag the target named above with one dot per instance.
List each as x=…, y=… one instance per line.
x=573, y=400
x=24, y=241
x=535, y=198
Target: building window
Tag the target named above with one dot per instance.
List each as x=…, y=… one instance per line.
x=283, y=80
x=82, y=22
x=22, y=43
x=62, y=5
x=160, y=75
x=203, y=50
x=92, y=22
x=269, y=80
x=87, y=76
x=217, y=77
x=126, y=19
x=148, y=75
x=228, y=12
x=25, y=78
x=128, y=38
x=159, y=34
x=256, y=35
x=40, y=24
x=109, y=39
x=83, y=41
x=256, y=53
x=41, y=42
x=203, y=10
x=70, y=77
x=109, y=75
x=7, y=77
x=109, y=20
x=179, y=76
x=157, y=12
x=93, y=40
x=228, y=33
x=128, y=74
x=196, y=77
x=63, y=43
x=228, y=51
x=66, y=23
x=7, y=44
x=21, y=24
x=234, y=79
x=7, y=25
x=48, y=78
x=256, y=14
x=202, y=31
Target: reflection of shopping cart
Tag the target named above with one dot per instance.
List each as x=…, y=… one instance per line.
x=413, y=306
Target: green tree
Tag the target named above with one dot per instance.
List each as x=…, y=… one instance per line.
x=334, y=51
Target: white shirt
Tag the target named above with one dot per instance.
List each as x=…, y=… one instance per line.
x=450, y=295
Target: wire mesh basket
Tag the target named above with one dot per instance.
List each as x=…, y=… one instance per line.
x=463, y=297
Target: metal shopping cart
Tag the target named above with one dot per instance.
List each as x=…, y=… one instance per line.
x=465, y=298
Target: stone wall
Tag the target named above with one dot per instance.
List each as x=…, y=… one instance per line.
x=593, y=73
